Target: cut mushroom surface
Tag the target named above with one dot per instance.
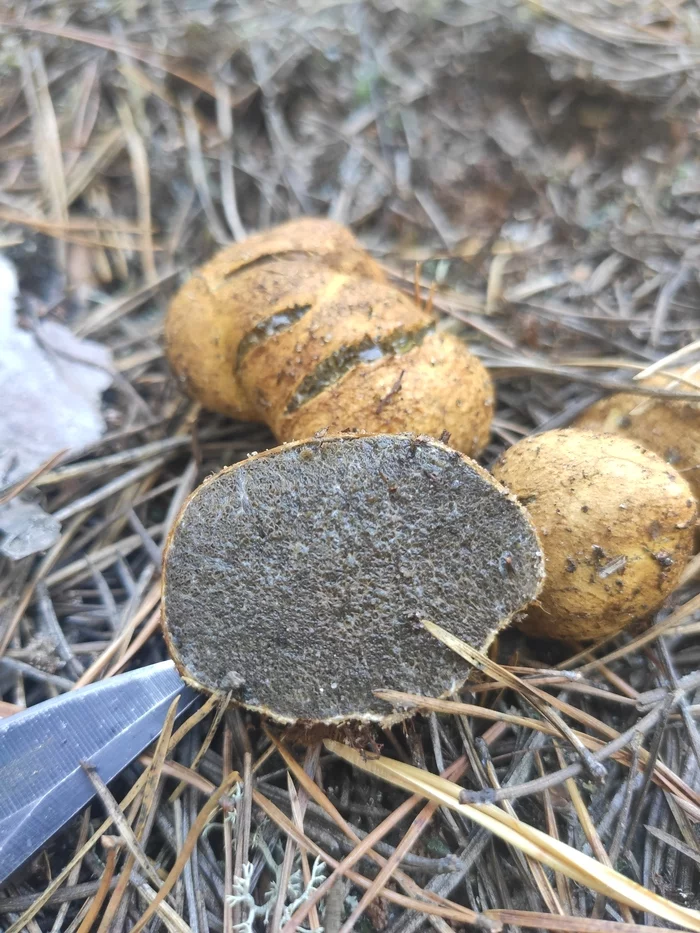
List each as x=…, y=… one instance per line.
x=298, y=578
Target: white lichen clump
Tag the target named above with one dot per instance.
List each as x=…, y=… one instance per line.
x=296, y=890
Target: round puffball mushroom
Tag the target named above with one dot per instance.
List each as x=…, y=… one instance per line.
x=298, y=578
x=217, y=306
x=616, y=524
x=669, y=427
x=315, y=340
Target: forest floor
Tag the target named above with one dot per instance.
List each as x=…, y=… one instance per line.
x=537, y=166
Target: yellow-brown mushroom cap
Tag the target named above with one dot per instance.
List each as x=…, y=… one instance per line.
x=315, y=340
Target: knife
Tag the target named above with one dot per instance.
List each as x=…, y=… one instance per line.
x=108, y=723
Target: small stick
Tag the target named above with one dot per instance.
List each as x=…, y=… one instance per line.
x=589, y=829
x=228, y=836
x=121, y=822
x=75, y=873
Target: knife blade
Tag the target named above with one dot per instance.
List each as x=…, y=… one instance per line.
x=108, y=723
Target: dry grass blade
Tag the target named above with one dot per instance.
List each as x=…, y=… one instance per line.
x=528, y=919
x=105, y=882
x=104, y=492
x=142, y=181
x=102, y=153
x=228, y=836
x=617, y=742
x=419, y=824
x=32, y=477
x=151, y=600
x=676, y=618
x=199, y=172
x=66, y=895
x=670, y=840
x=224, y=116
x=547, y=893
x=123, y=304
x=151, y=626
x=691, y=571
x=588, y=826
x=684, y=795
x=104, y=41
x=298, y=805
x=224, y=703
x=75, y=874
x=536, y=697
x=122, y=823
x=364, y=846
x=182, y=773
x=669, y=360
x=42, y=572
x=46, y=136
x=533, y=842
x=361, y=850
x=244, y=817
x=284, y=873
x=169, y=917
x=562, y=882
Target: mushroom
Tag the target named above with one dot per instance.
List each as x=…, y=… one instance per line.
x=298, y=578
x=616, y=525
x=296, y=327
x=669, y=427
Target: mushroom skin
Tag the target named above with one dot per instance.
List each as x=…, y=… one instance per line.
x=210, y=313
x=616, y=524
x=669, y=427
x=297, y=327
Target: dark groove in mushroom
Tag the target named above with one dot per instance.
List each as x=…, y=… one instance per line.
x=286, y=255
x=275, y=324
x=332, y=369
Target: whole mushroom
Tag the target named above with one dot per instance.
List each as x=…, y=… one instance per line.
x=297, y=327
x=616, y=524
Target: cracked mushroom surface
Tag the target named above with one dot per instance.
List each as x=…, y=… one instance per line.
x=297, y=327
x=297, y=579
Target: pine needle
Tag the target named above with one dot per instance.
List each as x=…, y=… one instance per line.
x=533, y=842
